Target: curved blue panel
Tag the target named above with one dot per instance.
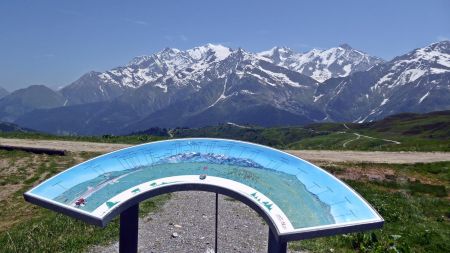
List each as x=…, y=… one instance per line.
x=297, y=195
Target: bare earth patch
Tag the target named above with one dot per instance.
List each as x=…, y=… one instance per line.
x=371, y=174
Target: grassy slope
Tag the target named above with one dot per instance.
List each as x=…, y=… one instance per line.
x=415, y=132
x=28, y=228
x=131, y=139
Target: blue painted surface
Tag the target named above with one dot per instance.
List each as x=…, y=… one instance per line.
x=307, y=195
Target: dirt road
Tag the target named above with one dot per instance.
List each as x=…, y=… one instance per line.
x=310, y=155
x=374, y=157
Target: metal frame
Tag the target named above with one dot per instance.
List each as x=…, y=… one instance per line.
x=277, y=241
x=129, y=225
x=216, y=223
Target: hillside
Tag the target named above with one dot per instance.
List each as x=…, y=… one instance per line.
x=10, y=127
x=407, y=131
x=413, y=132
x=28, y=99
x=401, y=132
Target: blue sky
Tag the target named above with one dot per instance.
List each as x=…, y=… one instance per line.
x=55, y=42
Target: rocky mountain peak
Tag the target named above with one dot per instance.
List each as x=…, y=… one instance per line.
x=277, y=54
x=345, y=46
x=219, y=51
x=322, y=64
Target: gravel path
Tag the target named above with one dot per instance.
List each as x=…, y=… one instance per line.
x=72, y=146
x=310, y=155
x=371, y=156
x=191, y=215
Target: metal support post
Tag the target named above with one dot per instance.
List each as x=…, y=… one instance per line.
x=129, y=221
x=275, y=245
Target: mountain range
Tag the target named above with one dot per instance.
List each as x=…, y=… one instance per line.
x=213, y=84
x=322, y=64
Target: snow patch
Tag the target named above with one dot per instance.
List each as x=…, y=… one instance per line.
x=247, y=92
x=347, y=68
x=280, y=77
x=317, y=97
x=236, y=125
x=163, y=87
x=423, y=97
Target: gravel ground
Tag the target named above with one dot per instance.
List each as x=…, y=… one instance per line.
x=310, y=155
x=191, y=215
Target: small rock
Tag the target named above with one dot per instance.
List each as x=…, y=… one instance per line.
x=175, y=235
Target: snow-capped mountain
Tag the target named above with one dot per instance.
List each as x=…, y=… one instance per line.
x=433, y=59
x=240, y=87
x=170, y=63
x=168, y=67
x=322, y=64
x=418, y=81
x=214, y=84
x=177, y=68
x=204, y=85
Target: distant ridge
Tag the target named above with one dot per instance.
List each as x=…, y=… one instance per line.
x=10, y=127
x=3, y=92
